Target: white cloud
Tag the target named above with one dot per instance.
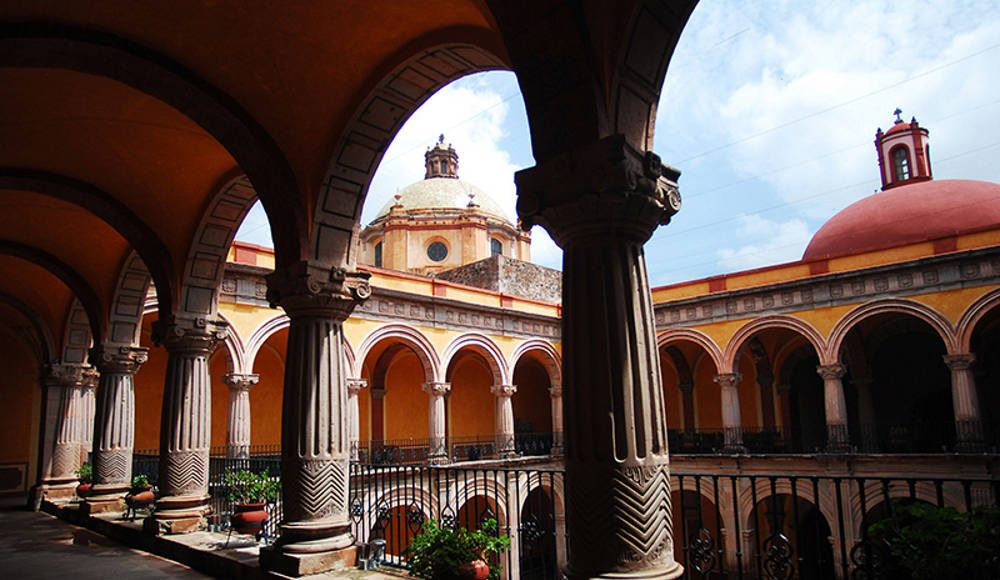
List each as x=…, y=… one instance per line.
x=769, y=242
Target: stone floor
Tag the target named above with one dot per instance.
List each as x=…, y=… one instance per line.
x=39, y=545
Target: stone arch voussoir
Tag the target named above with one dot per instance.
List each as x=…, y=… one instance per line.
x=484, y=347
x=796, y=325
x=932, y=317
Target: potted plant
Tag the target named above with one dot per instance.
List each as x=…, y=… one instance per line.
x=140, y=493
x=444, y=553
x=86, y=476
x=250, y=493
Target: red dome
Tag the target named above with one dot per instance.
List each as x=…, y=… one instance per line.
x=908, y=214
x=899, y=127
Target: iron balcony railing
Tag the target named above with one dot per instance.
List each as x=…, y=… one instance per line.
x=415, y=451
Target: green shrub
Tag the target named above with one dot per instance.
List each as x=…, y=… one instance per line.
x=245, y=486
x=437, y=552
x=928, y=542
x=86, y=473
x=140, y=481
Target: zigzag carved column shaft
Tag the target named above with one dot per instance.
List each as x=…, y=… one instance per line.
x=601, y=203
x=114, y=421
x=315, y=439
x=185, y=424
x=66, y=380
x=238, y=427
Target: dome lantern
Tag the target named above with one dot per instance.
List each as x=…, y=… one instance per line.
x=904, y=155
x=441, y=161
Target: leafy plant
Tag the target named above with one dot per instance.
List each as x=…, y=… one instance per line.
x=245, y=486
x=925, y=542
x=86, y=473
x=438, y=552
x=140, y=481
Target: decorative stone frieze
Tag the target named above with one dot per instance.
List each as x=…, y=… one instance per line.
x=600, y=203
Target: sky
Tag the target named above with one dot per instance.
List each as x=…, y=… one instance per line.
x=769, y=110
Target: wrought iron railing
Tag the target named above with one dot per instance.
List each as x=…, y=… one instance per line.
x=726, y=525
x=416, y=451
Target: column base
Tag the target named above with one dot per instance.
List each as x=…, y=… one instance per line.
x=178, y=515
x=55, y=492
x=275, y=560
x=660, y=573
x=438, y=460
x=100, y=505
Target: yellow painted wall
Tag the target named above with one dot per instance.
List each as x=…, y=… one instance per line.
x=673, y=400
x=149, y=391
x=707, y=398
x=471, y=405
x=406, y=405
x=217, y=367
x=265, y=397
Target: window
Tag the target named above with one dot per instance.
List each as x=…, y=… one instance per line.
x=496, y=247
x=378, y=255
x=437, y=251
x=927, y=159
x=444, y=167
x=901, y=163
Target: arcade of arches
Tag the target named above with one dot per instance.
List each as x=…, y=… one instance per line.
x=131, y=320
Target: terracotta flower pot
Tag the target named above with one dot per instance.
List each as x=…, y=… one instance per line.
x=474, y=570
x=249, y=518
x=83, y=490
x=139, y=497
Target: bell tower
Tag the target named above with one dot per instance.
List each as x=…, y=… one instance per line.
x=904, y=154
x=441, y=161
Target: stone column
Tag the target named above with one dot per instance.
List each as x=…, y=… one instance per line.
x=503, y=419
x=601, y=203
x=732, y=422
x=114, y=425
x=88, y=395
x=965, y=402
x=835, y=407
x=185, y=424
x=436, y=416
x=354, y=387
x=315, y=447
x=238, y=426
x=63, y=441
x=555, y=393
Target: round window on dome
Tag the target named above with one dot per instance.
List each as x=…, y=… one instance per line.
x=437, y=251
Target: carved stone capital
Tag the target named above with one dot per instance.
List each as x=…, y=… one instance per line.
x=118, y=359
x=305, y=289
x=436, y=389
x=193, y=335
x=829, y=372
x=503, y=390
x=605, y=188
x=240, y=382
x=959, y=362
x=89, y=379
x=354, y=386
x=728, y=380
x=555, y=391
x=63, y=374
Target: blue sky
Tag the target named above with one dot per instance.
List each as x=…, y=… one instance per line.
x=769, y=111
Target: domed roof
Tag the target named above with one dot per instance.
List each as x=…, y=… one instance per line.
x=443, y=193
x=900, y=126
x=908, y=214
